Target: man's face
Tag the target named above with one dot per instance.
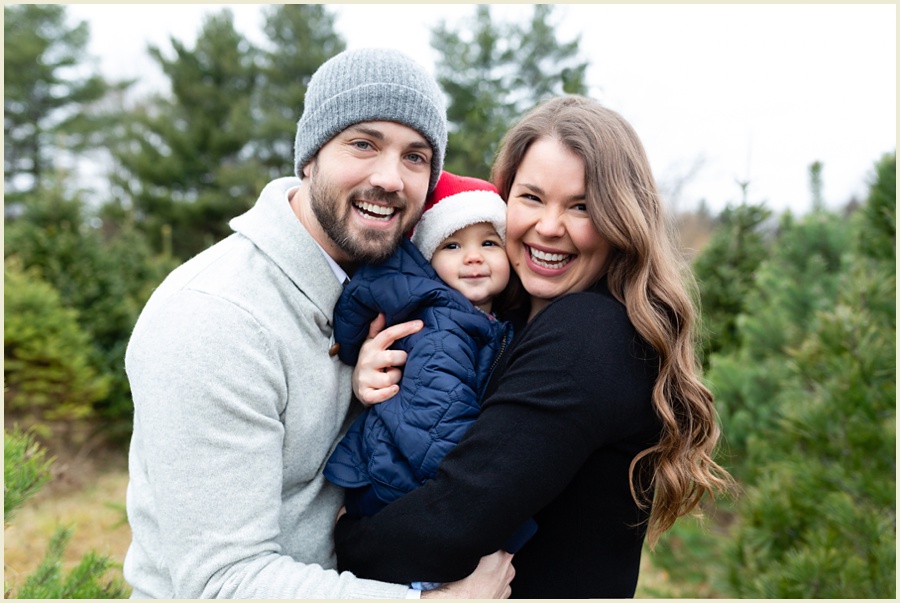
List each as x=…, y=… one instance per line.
x=367, y=188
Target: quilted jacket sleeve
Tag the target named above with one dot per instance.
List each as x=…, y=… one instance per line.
x=398, y=287
x=353, y=313
x=437, y=402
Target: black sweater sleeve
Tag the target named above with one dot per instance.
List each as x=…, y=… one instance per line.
x=576, y=379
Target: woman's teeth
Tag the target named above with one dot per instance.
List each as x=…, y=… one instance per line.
x=550, y=261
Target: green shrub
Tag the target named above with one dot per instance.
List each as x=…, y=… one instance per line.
x=819, y=516
x=806, y=391
x=85, y=581
x=105, y=276
x=46, y=355
x=25, y=471
x=780, y=308
x=725, y=270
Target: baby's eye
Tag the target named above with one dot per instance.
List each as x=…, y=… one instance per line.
x=490, y=243
x=450, y=246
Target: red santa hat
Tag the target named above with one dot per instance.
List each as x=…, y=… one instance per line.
x=457, y=202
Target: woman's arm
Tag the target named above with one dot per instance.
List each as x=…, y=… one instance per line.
x=562, y=395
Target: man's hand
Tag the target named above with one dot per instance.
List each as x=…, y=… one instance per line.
x=376, y=376
x=490, y=580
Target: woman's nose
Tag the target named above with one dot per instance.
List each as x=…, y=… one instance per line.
x=550, y=224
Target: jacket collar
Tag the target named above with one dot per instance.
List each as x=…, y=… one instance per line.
x=274, y=228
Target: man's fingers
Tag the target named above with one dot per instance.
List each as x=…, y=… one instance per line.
x=388, y=336
x=387, y=377
x=376, y=375
x=376, y=396
x=377, y=325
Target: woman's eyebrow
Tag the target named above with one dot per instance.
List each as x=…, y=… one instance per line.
x=539, y=191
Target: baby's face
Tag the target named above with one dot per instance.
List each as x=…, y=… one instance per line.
x=473, y=261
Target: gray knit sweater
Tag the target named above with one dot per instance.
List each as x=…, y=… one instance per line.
x=237, y=405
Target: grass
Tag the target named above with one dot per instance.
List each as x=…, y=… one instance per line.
x=687, y=560
x=93, y=505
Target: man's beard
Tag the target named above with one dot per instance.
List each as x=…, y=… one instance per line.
x=365, y=246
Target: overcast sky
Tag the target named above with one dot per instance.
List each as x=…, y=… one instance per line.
x=718, y=93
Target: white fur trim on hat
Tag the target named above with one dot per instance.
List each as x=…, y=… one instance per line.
x=456, y=212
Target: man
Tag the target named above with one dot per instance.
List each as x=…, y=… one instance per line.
x=239, y=397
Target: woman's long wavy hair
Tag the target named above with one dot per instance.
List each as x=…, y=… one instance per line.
x=648, y=275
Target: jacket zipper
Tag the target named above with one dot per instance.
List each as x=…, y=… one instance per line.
x=494, y=364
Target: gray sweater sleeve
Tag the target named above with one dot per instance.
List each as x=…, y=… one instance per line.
x=208, y=489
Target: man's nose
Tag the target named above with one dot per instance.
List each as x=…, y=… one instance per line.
x=386, y=174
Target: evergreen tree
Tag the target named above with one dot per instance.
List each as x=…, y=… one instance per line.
x=46, y=95
x=816, y=186
x=772, y=291
x=808, y=407
x=186, y=160
x=26, y=469
x=880, y=213
x=492, y=73
x=105, y=281
x=798, y=279
x=47, y=367
x=725, y=270
x=546, y=66
x=301, y=38
x=819, y=518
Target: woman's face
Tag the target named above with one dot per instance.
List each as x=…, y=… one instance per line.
x=551, y=242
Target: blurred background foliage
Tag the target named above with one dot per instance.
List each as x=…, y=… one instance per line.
x=799, y=311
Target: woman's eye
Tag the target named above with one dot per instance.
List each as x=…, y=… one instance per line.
x=581, y=207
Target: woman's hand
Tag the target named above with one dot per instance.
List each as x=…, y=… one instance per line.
x=490, y=580
x=376, y=376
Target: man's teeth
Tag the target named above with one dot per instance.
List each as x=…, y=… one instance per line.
x=549, y=260
x=376, y=212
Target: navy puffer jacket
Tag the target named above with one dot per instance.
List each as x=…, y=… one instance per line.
x=397, y=445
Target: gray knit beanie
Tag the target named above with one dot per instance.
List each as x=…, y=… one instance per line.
x=372, y=84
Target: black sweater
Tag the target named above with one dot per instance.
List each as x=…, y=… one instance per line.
x=566, y=411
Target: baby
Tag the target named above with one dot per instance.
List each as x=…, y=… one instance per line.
x=395, y=446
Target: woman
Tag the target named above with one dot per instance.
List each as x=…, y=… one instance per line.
x=595, y=421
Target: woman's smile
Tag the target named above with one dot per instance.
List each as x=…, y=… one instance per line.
x=551, y=240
